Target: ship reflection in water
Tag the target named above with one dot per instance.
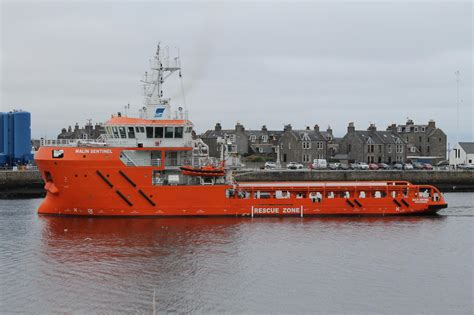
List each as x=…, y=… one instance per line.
x=237, y=265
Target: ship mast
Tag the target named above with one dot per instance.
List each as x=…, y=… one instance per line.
x=155, y=105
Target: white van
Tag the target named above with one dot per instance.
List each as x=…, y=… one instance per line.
x=319, y=164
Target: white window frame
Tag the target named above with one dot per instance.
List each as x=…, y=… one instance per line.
x=253, y=138
x=264, y=138
x=320, y=145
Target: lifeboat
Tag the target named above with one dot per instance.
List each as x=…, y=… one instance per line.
x=206, y=171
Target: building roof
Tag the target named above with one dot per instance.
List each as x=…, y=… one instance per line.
x=468, y=147
x=378, y=136
x=308, y=135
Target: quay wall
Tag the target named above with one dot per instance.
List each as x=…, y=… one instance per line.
x=21, y=184
x=444, y=180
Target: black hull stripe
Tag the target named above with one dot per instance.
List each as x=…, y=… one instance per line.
x=124, y=198
x=127, y=179
x=146, y=197
x=104, y=179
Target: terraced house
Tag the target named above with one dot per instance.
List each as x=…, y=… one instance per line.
x=372, y=146
x=261, y=142
x=303, y=146
x=424, y=142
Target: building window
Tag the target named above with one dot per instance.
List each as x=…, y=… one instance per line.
x=320, y=145
x=264, y=138
x=306, y=145
x=389, y=148
x=232, y=138
x=380, y=148
x=439, y=139
x=428, y=149
x=289, y=145
x=422, y=129
x=400, y=129
x=253, y=138
x=408, y=129
x=306, y=158
x=399, y=148
x=320, y=156
x=416, y=129
x=370, y=148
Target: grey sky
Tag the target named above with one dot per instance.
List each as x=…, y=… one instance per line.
x=254, y=62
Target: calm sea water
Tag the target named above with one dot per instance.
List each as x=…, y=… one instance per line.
x=214, y=265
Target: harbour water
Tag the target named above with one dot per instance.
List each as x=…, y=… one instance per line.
x=235, y=265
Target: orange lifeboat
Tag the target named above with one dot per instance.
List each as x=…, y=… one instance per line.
x=206, y=171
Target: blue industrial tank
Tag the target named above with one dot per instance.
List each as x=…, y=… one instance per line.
x=21, y=135
x=3, y=133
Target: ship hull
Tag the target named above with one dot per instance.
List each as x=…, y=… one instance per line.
x=95, y=182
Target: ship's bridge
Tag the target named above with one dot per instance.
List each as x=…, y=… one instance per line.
x=138, y=132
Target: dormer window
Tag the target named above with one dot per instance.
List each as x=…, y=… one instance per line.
x=416, y=129
x=264, y=138
x=253, y=138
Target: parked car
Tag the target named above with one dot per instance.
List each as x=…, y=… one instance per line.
x=354, y=166
x=383, y=166
x=344, y=166
x=319, y=164
x=294, y=166
x=443, y=165
x=334, y=166
x=362, y=166
x=407, y=166
x=373, y=166
x=427, y=166
x=270, y=165
x=418, y=166
x=466, y=166
x=398, y=166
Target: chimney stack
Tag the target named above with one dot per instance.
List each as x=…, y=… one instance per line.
x=350, y=127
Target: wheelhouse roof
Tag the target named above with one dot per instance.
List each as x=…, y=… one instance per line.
x=116, y=121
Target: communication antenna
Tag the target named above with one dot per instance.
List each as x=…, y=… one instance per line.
x=458, y=79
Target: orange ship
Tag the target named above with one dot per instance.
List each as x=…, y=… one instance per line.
x=152, y=166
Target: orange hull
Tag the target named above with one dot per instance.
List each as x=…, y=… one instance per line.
x=95, y=182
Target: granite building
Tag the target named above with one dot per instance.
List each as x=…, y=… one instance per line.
x=303, y=146
x=261, y=142
x=88, y=132
x=424, y=142
x=372, y=146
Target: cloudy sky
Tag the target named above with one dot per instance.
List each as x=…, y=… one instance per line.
x=253, y=62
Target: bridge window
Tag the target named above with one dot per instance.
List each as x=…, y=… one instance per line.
x=178, y=132
x=149, y=132
x=115, y=130
x=123, y=135
x=158, y=132
x=131, y=133
x=169, y=132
